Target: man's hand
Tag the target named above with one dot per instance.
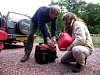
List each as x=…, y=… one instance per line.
x=49, y=41
x=53, y=39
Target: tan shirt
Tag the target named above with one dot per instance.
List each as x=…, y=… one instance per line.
x=81, y=36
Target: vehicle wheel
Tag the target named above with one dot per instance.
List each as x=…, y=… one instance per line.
x=23, y=26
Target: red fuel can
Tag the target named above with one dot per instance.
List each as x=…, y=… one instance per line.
x=1, y=45
x=64, y=40
x=3, y=35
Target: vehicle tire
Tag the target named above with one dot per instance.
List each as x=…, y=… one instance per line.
x=23, y=26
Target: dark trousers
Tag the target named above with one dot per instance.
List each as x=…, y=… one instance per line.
x=30, y=41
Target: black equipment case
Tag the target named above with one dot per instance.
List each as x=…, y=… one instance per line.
x=45, y=54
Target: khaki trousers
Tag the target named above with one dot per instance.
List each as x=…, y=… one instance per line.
x=77, y=54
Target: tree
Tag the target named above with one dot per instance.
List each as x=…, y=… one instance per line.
x=89, y=12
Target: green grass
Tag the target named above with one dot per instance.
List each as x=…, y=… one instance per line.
x=96, y=41
x=38, y=40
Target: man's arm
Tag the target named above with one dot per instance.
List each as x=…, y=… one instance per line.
x=53, y=30
x=53, y=27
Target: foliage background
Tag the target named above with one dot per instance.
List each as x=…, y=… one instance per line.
x=89, y=12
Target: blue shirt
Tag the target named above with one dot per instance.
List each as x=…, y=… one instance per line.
x=41, y=17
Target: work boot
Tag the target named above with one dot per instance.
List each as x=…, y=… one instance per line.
x=77, y=68
x=25, y=58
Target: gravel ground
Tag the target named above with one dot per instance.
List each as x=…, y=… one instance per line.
x=10, y=64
